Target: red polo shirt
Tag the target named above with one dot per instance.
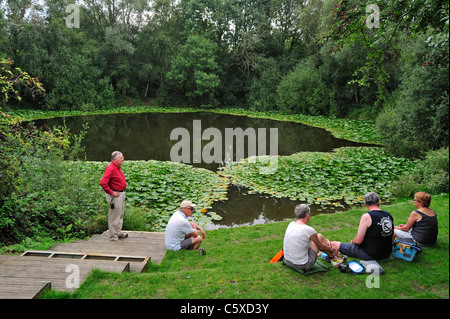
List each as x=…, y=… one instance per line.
x=113, y=179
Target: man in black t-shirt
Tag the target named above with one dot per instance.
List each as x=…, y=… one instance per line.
x=374, y=238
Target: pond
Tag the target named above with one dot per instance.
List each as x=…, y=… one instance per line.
x=242, y=209
x=186, y=136
x=146, y=136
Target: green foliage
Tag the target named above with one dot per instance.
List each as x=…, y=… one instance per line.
x=261, y=97
x=42, y=194
x=195, y=69
x=416, y=117
x=163, y=186
x=339, y=178
x=11, y=81
x=430, y=175
x=303, y=91
x=78, y=84
x=397, y=19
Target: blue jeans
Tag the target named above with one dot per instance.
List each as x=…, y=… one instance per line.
x=352, y=250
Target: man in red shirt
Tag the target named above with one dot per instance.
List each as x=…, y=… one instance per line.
x=114, y=185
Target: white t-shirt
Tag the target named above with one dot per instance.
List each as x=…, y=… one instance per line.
x=297, y=242
x=176, y=230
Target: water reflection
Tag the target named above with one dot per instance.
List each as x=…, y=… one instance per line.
x=146, y=136
x=250, y=209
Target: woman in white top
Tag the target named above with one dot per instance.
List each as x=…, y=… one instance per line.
x=302, y=242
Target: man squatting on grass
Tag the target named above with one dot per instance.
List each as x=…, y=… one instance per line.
x=114, y=184
x=302, y=243
x=180, y=233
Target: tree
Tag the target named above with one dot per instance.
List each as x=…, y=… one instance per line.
x=303, y=91
x=415, y=119
x=115, y=25
x=77, y=83
x=355, y=23
x=11, y=81
x=156, y=45
x=196, y=72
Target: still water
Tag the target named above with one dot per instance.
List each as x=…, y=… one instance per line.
x=147, y=137
x=242, y=209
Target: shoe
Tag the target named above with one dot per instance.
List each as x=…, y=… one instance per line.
x=124, y=235
x=115, y=240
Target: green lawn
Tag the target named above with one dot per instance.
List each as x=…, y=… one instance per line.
x=236, y=266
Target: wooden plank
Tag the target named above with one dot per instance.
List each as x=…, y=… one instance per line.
x=31, y=291
x=146, y=244
x=19, y=271
x=155, y=254
x=137, y=263
x=84, y=256
x=29, y=275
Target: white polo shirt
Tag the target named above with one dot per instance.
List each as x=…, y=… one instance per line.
x=176, y=230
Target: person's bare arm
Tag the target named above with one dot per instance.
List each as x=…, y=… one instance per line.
x=364, y=223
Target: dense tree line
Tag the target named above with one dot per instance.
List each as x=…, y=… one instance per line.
x=319, y=57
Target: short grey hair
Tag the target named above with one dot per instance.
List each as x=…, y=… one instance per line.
x=301, y=211
x=371, y=198
x=115, y=154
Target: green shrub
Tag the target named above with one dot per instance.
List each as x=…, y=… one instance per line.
x=415, y=118
x=78, y=84
x=430, y=175
x=303, y=91
x=42, y=194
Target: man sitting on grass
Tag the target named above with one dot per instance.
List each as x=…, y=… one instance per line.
x=374, y=238
x=302, y=242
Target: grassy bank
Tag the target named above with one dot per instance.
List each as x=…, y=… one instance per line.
x=236, y=266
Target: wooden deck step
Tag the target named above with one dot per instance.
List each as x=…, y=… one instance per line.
x=26, y=277
x=22, y=288
x=138, y=244
x=66, y=264
x=137, y=263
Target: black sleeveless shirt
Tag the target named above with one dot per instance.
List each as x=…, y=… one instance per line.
x=425, y=231
x=378, y=239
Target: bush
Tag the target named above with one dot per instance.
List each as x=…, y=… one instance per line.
x=79, y=83
x=303, y=91
x=42, y=194
x=415, y=118
x=430, y=175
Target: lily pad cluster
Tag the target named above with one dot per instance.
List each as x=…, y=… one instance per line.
x=162, y=186
x=336, y=178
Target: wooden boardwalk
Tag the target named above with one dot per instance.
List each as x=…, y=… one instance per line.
x=66, y=265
